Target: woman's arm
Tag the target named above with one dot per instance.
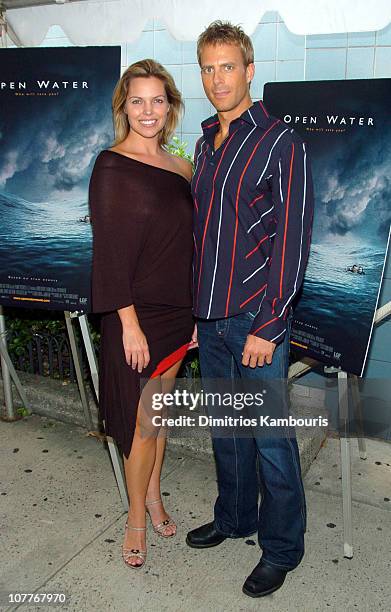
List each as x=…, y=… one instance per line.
x=134, y=341
x=118, y=237
x=185, y=168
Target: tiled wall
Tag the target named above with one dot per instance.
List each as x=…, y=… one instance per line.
x=280, y=56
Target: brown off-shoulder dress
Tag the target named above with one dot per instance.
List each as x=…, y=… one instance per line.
x=142, y=255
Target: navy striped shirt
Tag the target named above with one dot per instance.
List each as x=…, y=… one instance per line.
x=253, y=208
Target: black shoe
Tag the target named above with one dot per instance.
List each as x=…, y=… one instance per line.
x=264, y=580
x=205, y=536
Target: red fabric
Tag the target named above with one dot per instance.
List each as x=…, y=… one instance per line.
x=170, y=360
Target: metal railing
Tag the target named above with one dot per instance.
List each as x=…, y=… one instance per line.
x=47, y=355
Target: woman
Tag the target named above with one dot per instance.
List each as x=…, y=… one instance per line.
x=141, y=211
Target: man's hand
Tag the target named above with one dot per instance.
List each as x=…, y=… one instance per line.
x=194, y=339
x=257, y=351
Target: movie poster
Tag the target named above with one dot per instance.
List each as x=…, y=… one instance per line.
x=55, y=118
x=346, y=125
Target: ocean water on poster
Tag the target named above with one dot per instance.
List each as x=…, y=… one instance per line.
x=341, y=299
x=44, y=237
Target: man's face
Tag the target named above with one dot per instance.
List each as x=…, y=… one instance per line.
x=225, y=77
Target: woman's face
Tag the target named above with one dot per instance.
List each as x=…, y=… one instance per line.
x=146, y=106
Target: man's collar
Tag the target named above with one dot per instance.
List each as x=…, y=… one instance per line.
x=257, y=115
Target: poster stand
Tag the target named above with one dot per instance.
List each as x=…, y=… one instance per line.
x=8, y=372
x=346, y=451
x=116, y=460
x=301, y=367
x=78, y=368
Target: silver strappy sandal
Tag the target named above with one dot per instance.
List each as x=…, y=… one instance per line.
x=160, y=528
x=135, y=553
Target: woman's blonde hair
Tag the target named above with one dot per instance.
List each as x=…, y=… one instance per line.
x=146, y=68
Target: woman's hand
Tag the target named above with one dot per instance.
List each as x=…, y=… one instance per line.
x=133, y=338
x=135, y=347
x=194, y=339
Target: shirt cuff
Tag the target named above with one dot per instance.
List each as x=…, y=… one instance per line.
x=269, y=327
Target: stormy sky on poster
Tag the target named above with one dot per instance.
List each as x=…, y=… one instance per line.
x=55, y=118
x=347, y=130
x=46, y=149
x=354, y=188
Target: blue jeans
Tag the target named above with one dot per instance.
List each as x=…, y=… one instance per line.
x=249, y=465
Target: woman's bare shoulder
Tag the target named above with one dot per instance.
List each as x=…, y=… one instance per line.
x=184, y=167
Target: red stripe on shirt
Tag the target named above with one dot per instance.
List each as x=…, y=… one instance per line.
x=257, y=247
x=286, y=218
x=237, y=211
x=264, y=109
x=256, y=200
x=253, y=296
x=212, y=124
x=209, y=209
x=264, y=325
x=200, y=172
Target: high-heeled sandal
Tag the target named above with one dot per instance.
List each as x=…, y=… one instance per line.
x=136, y=553
x=160, y=528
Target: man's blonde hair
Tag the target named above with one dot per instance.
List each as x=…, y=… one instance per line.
x=224, y=33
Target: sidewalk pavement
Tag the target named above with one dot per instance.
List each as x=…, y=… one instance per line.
x=62, y=529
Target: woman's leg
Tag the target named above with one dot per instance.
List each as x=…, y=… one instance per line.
x=138, y=469
x=157, y=511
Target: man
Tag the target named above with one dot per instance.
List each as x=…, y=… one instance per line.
x=252, y=194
